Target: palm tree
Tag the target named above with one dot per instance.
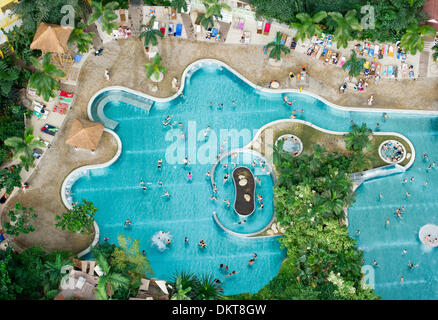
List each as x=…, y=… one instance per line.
x=345, y=27
x=44, y=80
x=8, y=76
x=55, y=269
x=214, y=7
x=354, y=65
x=82, y=38
x=277, y=48
x=23, y=147
x=150, y=35
x=107, y=14
x=309, y=25
x=179, y=5
x=208, y=289
x=205, y=21
x=358, y=138
x=181, y=293
x=413, y=39
x=187, y=280
x=110, y=281
x=154, y=68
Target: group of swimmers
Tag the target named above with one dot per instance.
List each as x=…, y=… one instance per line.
x=428, y=240
x=393, y=151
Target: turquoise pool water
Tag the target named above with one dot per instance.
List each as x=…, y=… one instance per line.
x=115, y=190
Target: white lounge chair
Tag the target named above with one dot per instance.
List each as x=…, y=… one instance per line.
x=91, y=269
x=144, y=285
x=80, y=283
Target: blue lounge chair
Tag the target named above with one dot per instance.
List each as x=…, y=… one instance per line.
x=214, y=32
x=371, y=52
x=178, y=30
x=170, y=29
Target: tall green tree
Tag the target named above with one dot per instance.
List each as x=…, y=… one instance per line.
x=150, y=35
x=55, y=270
x=8, y=77
x=44, y=80
x=81, y=38
x=179, y=5
x=155, y=68
x=9, y=179
x=20, y=220
x=79, y=218
x=308, y=25
x=435, y=52
x=358, y=138
x=214, y=8
x=346, y=25
x=23, y=147
x=106, y=13
x=110, y=281
x=413, y=39
x=277, y=48
x=354, y=65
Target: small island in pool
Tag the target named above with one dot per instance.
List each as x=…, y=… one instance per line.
x=244, y=184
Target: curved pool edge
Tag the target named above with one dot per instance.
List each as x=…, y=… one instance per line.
x=77, y=173
x=246, y=150
x=310, y=124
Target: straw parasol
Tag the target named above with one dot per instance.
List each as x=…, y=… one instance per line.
x=85, y=134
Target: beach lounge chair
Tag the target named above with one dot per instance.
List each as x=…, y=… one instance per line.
x=328, y=56
x=315, y=51
x=359, y=49
x=390, y=51
x=259, y=27
x=198, y=28
x=170, y=30
x=49, y=129
x=144, y=285
x=246, y=36
x=91, y=268
x=267, y=28
x=173, y=14
x=84, y=266
x=334, y=59
x=293, y=44
x=342, y=61
x=323, y=54
x=178, y=31
x=156, y=25
x=163, y=29
x=214, y=32
x=371, y=51
x=65, y=99
x=66, y=94
x=241, y=24
x=122, y=15
x=283, y=38
x=376, y=50
x=80, y=283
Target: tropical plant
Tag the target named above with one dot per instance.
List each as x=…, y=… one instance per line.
x=20, y=219
x=44, y=79
x=79, y=218
x=8, y=77
x=354, y=65
x=181, y=293
x=277, y=48
x=82, y=38
x=358, y=138
x=150, y=35
x=9, y=179
x=207, y=288
x=23, y=147
x=206, y=22
x=128, y=259
x=155, y=69
x=435, y=52
x=33, y=12
x=308, y=25
x=214, y=7
x=179, y=5
x=110, y=281
x=188, y=280
x=106, y=13
x=413, y=39
x=20, y=40
x=56, y=269
x=346, y=25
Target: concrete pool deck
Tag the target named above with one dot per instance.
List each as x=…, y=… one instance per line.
x=125, y=60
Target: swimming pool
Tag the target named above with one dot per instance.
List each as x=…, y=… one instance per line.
x=115, y=190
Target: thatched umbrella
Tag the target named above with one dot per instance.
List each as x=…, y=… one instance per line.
x=52, y=38
x=85, y=134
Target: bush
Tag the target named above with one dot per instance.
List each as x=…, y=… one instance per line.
x=79, y=218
